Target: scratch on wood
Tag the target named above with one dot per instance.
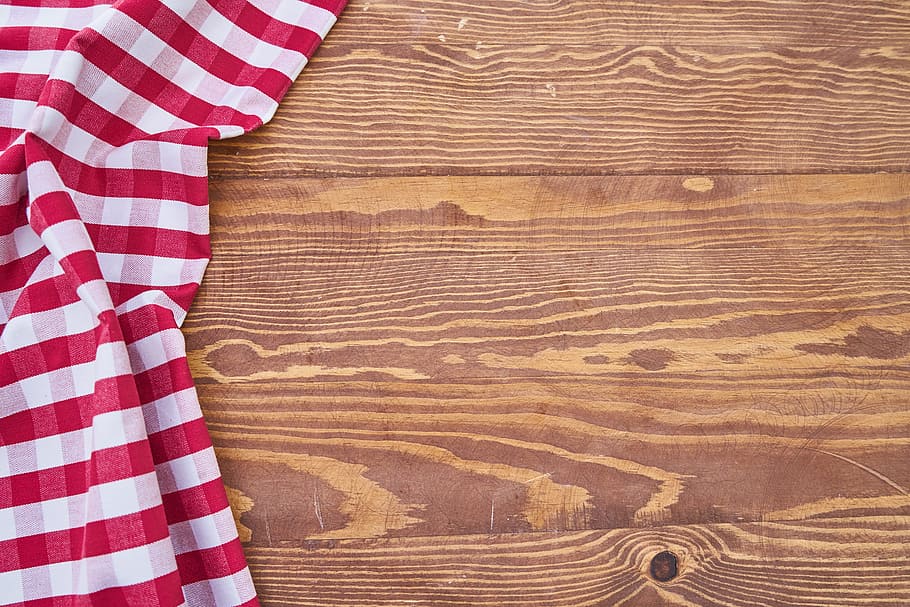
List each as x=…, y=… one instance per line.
x=318, y=511
x=268, y=529
x=538, y=477
x=865, y=468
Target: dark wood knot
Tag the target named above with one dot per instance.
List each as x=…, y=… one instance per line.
x=664, y=566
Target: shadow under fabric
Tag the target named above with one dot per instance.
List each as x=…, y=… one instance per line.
x=109, y=489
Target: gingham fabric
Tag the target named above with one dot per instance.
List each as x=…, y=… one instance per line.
x=109, y=489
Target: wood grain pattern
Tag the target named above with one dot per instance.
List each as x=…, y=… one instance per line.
x=587, y=282
x=634, y=22
x=287, y=218
x=414, y=357
x=495, y=107
x=843, y=561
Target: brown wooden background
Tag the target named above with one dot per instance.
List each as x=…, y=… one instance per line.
x=514, y=294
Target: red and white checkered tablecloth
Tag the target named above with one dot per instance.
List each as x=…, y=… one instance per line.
x=109, y=489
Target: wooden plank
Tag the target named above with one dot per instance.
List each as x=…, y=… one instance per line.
x=632, y=22
x=528, y=108
x=401, y=357
x=402, y=214
x=844, y=562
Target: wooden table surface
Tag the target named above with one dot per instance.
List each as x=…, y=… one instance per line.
x=514, y=295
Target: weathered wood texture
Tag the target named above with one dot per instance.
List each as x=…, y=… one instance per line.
x=589, y=281
x=429, y=357
x=596, y=88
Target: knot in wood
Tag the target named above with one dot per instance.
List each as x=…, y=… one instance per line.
x=664, y=566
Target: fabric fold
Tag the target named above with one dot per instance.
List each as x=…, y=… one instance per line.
x=110, y=492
